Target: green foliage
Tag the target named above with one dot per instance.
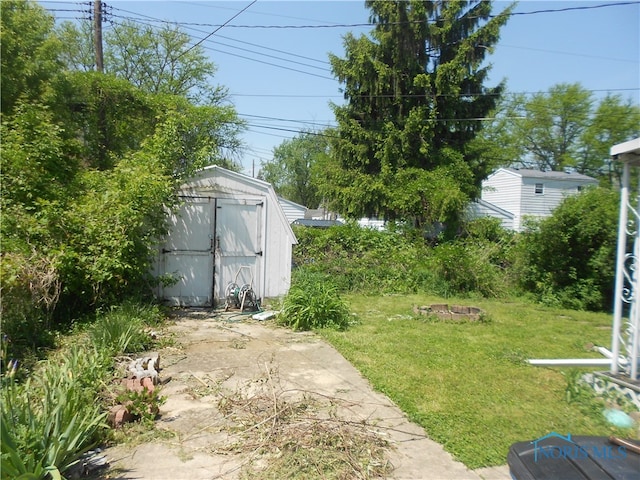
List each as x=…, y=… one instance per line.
x=28, y=52
x=568, y=259
x=409, y=88
x=401, y=261
x=295, y=168
x=122, y=328
x=90, y=165
x=361, y=259
x=313, y=302
x=561, y=128
x=143, y=405
x=614, y=121
x=51, y=419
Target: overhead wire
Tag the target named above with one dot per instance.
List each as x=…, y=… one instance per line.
x=150, y=18
x=235, y=55
x=218, y=28
x=369, y=24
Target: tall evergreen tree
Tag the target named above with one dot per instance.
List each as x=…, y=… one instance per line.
x=414, y=91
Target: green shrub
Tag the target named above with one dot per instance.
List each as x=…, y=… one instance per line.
x=313, y=302
x=568, y=259
x=362, y=259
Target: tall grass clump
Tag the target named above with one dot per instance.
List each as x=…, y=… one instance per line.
x=122, y=329
x=313, y=302
x=362, y=259
x=404, y=260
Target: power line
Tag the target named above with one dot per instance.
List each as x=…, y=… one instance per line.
x=235, y=55
x=218, y=36
x=585, y=55
x=369, y=24
x=284, y=95
x=218, y=28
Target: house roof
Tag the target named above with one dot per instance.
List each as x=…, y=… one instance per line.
x=570, y=176
x=285, y=201
x=498, y=212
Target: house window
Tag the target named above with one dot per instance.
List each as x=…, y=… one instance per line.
x=579, y=187
x=539, y=188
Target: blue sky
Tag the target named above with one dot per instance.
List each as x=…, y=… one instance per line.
x=280, y=80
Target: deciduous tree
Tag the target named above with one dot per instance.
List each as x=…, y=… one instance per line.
x=295, y=168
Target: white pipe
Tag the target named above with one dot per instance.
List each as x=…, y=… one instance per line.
x=622, y=361
x=571, y=362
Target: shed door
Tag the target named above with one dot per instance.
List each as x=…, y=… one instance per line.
x=188, y=254
x=238, y=245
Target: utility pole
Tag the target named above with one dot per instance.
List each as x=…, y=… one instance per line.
x=101, y=161
x=97, y=35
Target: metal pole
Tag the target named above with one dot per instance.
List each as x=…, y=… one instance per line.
x=635, y=316
x=620, y=260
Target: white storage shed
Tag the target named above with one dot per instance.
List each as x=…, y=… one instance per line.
x=230, y=228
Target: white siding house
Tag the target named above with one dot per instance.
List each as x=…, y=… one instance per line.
x=229, y=228
x=530, y=193
x=293, y=211
x=480, y=208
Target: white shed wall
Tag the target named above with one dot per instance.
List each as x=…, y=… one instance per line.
x=265, y=241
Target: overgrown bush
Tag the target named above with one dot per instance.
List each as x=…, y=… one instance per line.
x=568, y=259
x=402, y=261
x=362, y=259
x=476, y=263
x=313, y=301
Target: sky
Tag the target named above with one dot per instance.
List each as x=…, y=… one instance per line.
x=272, y=56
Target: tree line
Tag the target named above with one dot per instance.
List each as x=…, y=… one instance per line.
x=91, y=161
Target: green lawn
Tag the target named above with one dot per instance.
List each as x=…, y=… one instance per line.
x=468, y=384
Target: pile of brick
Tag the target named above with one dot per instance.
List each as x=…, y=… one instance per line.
x=453, y=312
x=142, y=376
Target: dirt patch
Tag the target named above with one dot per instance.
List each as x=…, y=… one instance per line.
x=248, y=399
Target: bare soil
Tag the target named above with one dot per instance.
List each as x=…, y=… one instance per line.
x=242, y=395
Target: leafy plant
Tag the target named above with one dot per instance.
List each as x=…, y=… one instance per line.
x=52, y=419
x=568, y=259
x=313, y=302
x=143, y=405
x=122, y=328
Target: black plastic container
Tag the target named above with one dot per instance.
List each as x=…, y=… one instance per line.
x=556, y=457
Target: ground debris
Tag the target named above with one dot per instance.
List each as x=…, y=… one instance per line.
x=299, y=434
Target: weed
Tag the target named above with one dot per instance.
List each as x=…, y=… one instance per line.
x=143, y=405
x=314, y=302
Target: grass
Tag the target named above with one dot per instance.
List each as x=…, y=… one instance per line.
x=468, y=384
